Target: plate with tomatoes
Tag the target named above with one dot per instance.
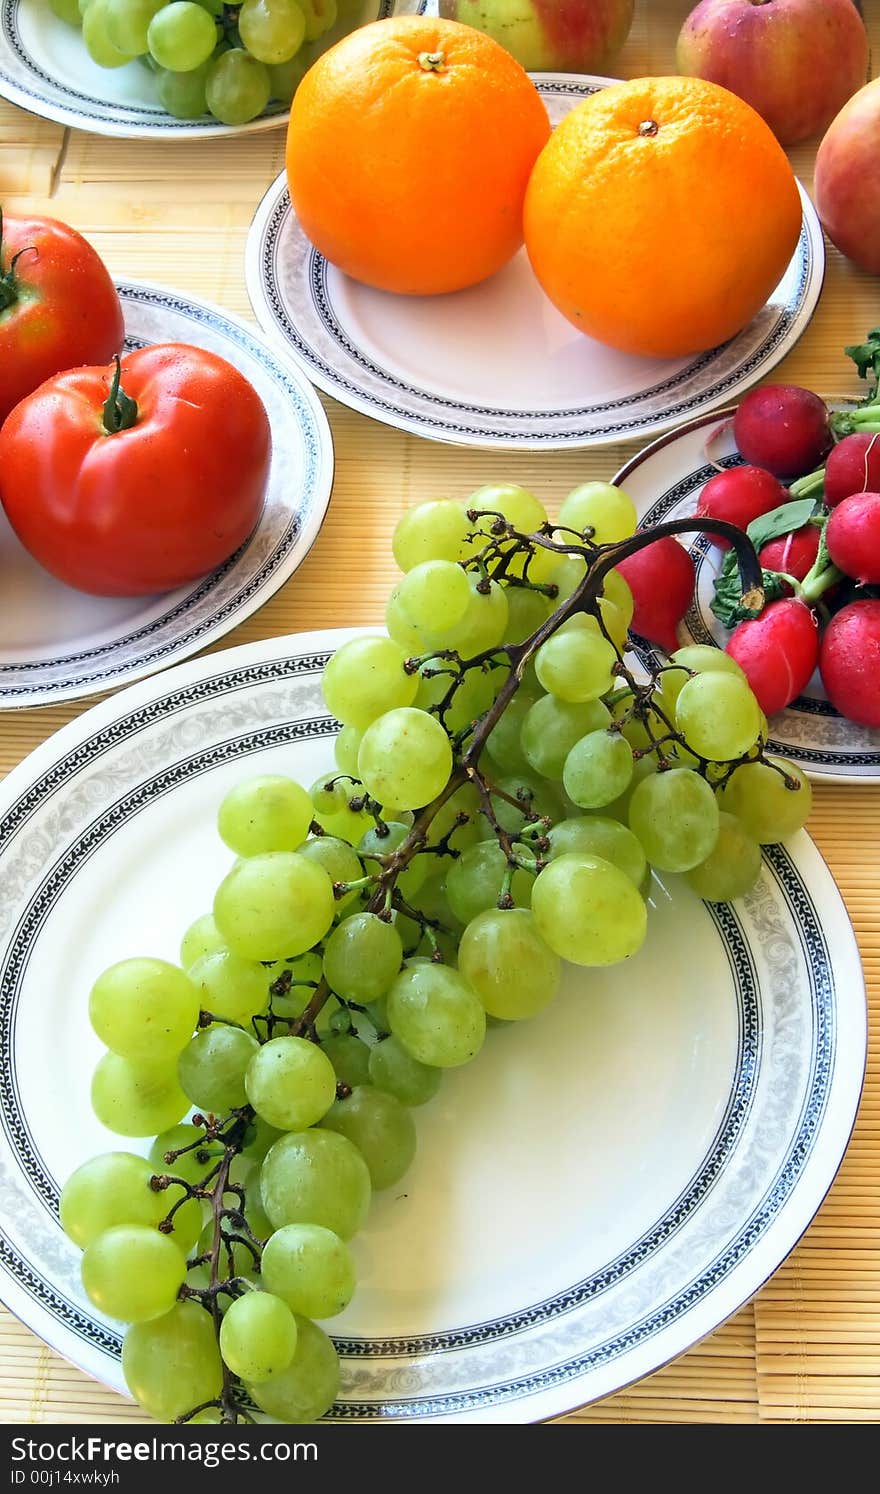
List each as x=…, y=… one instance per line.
x=667, y=481
x=61, y=641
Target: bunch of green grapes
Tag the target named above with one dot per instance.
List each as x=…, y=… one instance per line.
x=502, y=792
x=209, y=57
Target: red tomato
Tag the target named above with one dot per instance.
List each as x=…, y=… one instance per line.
x=136, y=492
x=58, y=306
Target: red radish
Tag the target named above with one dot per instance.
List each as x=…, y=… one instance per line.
x=849, y=662
x=852, y=535
x=783, y=428
x=793, y=554
x=740, y=495
x=853, y=466
x=778, y=652
x=661, y=579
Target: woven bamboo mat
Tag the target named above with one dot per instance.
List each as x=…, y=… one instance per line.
x=807, y=1349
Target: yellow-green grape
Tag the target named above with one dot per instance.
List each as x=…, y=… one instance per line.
x=272, y=906
x=405, y=758
x=435, y=530
x=181, y=36
x=393, y=1069
x=144, y=1009
x=114, y=1188
x=436, y=1015
x=184, y=95
x=576, y=665
x=290, y=1082
x=345, y=750
x=201, y=938
x=472, y=697
x=309, y=1386
x=475, y=880
x=349, y=1056
x=504, y=743
x=607, y=512
x=675, y=816
x=320, y=17
x=331, y=807
x=191, y=1165
x=598, y=769
x=272, y=30
x=596, y=835
x=230, y=986
x=718, y=716
x=588, y=910
x=365, y=678
x=538, y=800
x=506, y=961
x=127, y=23
x=380, y=1127
x=310, y=1268
x=238, y=87
x=173, y=1363
x=695, y=658
x=434, y=596
x=265, y=813
x=517, y=505
x=616, y=588
x=338, y=860
x=526, y=611
x=212, y=1067
x=133, y=1272
x=316, y=1177
x=258, y=1336
x=550, y=728
x=770, y=804
x=137, y=1099
x=98, y=44
x=67, y=10
x=732, y=867
x=362, y=957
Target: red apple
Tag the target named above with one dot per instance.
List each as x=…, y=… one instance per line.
x=580, y=36
x=847, y=180
x=795, y=61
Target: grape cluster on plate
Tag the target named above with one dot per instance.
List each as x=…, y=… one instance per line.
x=503, y=787
x=209, y=57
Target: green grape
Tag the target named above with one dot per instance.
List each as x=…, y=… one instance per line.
x=365, y=678
x=211, y=1068
x=269, y=907
x=114, y=1188
x=718, y=716
x=641, y=724
x=136, y=1099
x=127, y=22
x=675, y=816
x=98, y=44
x=436, y=1016
x=238, y=87
x=173, y=1363
x=377, y=1011
x=338, y=860
x=537, y=799
x=567, y=576
x=576, y=665
x=465, y=801
x=272, y=30
x=310, y=1268
x=380, y=1127
x=201, y=938
x=434, y=596
x=475, y=881
x=431, y=531
x=595, y=835
x=517, y=505
x=213, y=7
x=608, y=512
x=695, y=658
x=598, y=769
x=144, y=1008
x=551, y=727
x=332, y=808
x=362, y=957
x=503, y=957
x=402, y=629
x=764, y=803
x=616, y=588
x=433, y=902
x=67, y=10
x=320, y=17
x=349, y=1056
x=346, y=748
x=614, y=622
x=381, y=842
x=258, y=1336
x=588, y=910
x=290, y=1083
x=309, y=1386
x=395, y=1070
x=133, y=1272
x=405, y=758
x=259, y=1137
x=230, y=986
x=285, y=77
x=191, y=1165
x=643, y=767
x=316, y=1177
x=181, y=36
x=212, y=1415
x=504, y=741
x=526, y=611
x=484, y=624
x=292, y=985
x=472, y=697
x=731, y=868
x=268, y=813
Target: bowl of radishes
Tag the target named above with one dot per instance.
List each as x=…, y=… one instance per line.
x=801, y=474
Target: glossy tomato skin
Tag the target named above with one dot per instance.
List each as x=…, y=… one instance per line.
x=145, y=509
x=65, y=310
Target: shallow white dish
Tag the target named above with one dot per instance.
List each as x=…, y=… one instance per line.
x=497, y=365
x=554, y=1240
x=59, y=644
x=44, y=67
x=665, y=482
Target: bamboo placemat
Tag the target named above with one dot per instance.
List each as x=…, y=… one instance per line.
x=807, y=1349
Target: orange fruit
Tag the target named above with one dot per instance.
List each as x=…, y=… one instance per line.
x=409, y=151
x=661, y=215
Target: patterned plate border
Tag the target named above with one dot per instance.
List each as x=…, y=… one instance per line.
x=29, y=792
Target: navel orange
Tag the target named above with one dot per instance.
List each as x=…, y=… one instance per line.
x=409, y=151
x=660, y=215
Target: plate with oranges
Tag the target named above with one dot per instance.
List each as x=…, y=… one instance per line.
x=389, y=257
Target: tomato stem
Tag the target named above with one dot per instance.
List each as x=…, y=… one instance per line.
x=120, y=410
x=8, y=287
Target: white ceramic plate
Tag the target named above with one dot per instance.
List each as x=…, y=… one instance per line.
x=597, y=1192
x=44, y=67
x=59, y=644
x=497, y=365
x=665, y=482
